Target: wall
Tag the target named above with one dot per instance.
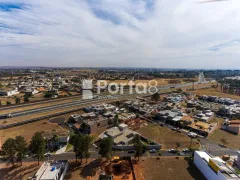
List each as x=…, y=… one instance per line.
x=205, y=169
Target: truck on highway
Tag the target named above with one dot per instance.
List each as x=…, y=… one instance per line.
x=5, y=116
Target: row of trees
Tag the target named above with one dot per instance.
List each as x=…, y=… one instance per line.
x=82, y=144
x=16, y=149
x=17, y=100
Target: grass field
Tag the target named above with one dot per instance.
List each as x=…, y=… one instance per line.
x=166, y=137
x=168, y=168
x=233, y=140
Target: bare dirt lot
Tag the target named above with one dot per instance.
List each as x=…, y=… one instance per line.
x=83, y=170
x=7, y=172
x=233, y=140
x=167, y=168
x=28, y=130
x=166, y=137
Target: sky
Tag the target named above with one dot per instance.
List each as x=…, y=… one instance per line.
x=120, y=33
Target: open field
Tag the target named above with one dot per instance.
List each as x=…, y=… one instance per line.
x=19, y=172
x=82, y=171
x=233, y=140
x=168, y=168
x=215, y=92
x=160, y=81
x=28, y=130
x=166, y=137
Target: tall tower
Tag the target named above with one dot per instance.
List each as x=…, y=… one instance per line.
x=201, y=78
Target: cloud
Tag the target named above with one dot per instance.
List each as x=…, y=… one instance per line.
x=136, y=33
x=234, y=43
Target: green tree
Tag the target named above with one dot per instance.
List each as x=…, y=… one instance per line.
x=21, y=148
x=105, y=148
x=155, y=97
x=115, y=121
x=8, y=103
x=38, y=146
x=138, y=145
x=9, y=148
x=17, y=100
x=26, y=99
x=87, y=144
x=55, y=138
x=77, y=141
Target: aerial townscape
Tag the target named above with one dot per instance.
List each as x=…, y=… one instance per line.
x=189, y=128
x=119, y=90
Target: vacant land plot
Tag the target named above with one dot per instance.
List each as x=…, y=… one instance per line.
x=28, y=130
x=233, y=140
x=19, y=172
x=160, y=81
x=84, y=170
x=216, y=92
x=166, y=137
x=168, y=168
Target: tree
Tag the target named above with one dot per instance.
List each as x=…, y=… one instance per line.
x=191, y=142
x=224, y=141
x=77, y=141
x=9, y=148
x=155, y=97
x=139, y=147
x=178, y=145
x=38, y=146
x=21, y=148
x=105, y=148
x=87, y=144
x=115, y=121
x=17, y=100
x=8, y=103
x=26, y=99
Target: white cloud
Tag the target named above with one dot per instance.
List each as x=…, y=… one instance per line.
x=160, y=33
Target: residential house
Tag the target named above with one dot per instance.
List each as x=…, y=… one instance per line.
x=55, y=170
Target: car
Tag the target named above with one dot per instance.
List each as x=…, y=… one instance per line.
x=131, y=151
x=191, y=134
x=172, y=150
x=161, y=124
x=186, y=150
x=153, y=151
x=174, y=129
x=47, y=154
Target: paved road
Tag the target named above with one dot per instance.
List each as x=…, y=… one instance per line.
x=94, y=154
x=215, y=148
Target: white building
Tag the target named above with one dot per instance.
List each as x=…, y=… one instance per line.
x=9, y=92
x=52, y=171
x=214, y=168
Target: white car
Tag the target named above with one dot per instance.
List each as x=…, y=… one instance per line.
x=153, y=151
x=186, y=150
